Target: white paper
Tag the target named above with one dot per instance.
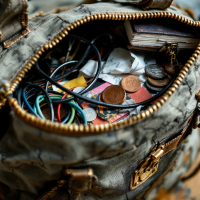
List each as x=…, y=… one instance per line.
x=119, y=63
x=55, y=88
x=130, y=110
x=90, y=68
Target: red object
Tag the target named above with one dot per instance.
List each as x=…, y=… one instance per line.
x=59, y=106
x=141, y=95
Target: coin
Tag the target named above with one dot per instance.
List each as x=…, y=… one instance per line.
x=156, y=89
x=155, y=71
x=158, y=82
x=78, y=89
x=90, y=114
x=131, y=83
x=114, y=94
x=170, y=69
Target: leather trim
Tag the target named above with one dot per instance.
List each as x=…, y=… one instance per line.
x=147, y=4
x=24, y=15
x=161, y=4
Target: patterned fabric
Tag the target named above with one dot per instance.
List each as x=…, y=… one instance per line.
x=30, y=157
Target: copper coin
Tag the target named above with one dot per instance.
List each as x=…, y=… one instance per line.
x=170, y=69
x=158, y=82
x=131, y=83
x=114, y=94
x=153, y=88
x=155, y=71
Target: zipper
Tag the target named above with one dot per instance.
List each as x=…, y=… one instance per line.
x=61, y=128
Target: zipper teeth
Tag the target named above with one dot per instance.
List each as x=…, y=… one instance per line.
x=61, y=128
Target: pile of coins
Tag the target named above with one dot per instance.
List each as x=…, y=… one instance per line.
x=157, y=77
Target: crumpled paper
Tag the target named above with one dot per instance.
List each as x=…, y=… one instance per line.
x=120, y=62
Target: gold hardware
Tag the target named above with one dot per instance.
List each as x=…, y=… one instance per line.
x=147, y=167
x=171, y=49
x=73, y=183
x=47, y=125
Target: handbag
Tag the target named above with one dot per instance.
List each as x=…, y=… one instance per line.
x=124, y=160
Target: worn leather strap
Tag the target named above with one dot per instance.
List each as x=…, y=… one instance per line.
x=148, y=4
x=161, y=4
x=13, y=18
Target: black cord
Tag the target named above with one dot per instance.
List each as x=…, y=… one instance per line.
x=93, y=80
x=57, y=69
x=79, y=96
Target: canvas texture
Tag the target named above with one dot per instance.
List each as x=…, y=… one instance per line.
x=31, y=157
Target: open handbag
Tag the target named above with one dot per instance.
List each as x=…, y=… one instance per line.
x=129, y=159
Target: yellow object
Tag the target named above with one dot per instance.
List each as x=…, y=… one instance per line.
x=77, y=82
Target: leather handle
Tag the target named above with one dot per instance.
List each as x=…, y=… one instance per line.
x=148, y=4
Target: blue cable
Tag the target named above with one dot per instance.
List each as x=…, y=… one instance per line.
x=28, y=105
x=76, y=106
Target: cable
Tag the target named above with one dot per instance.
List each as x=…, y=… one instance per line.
x=50, y=103
x=59, y=106
x=77, y=107
x=79, y=96
x=95, y=77
x=57, y=69
x=28, y=105
x=64, y=118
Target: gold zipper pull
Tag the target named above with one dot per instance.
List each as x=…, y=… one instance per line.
x=171, y=49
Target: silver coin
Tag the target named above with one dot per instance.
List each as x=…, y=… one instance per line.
x=155, y=71
x=156, y=89
x=90, y=114
x=78, y=89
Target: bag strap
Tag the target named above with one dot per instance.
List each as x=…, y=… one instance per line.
x=147, y=4
x=13, y=18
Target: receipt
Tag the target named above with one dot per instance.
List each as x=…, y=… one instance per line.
x=90, y=68
x=120, y=62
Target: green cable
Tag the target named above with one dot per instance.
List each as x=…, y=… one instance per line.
x=37, y=108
